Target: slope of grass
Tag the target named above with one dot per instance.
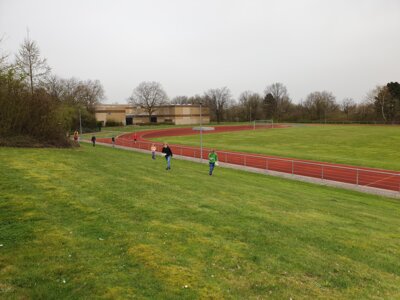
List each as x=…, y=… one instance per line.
x=107, y=132
x=107, y=223
x=369, y=146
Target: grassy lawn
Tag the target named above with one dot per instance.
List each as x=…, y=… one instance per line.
x=115, y=131
x=107, y=223
x=370, y=146
x=118, y=130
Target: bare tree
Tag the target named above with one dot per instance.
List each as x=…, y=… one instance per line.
x=54, y=87
x=251, y=103
x=282, y=100
x=75, y=92
x=381, y=98
x=197, y=99
x=68, y=93
x=348, y=105
x=30, y=64
x=365, y=111
x=320, y=104
x=148, y=95
x=89, y=93
x=217, y=100
x=180, y=100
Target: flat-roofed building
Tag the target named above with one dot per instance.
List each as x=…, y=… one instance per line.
x=178, y=114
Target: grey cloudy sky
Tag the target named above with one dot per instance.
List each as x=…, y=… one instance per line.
x=346, y=47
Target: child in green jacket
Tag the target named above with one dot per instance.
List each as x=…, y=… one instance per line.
x=212, y=159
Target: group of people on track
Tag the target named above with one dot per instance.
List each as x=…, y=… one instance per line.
x=167, y=153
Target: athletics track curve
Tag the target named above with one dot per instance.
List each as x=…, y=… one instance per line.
x=377, y=178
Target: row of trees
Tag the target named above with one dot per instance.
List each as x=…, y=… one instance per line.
x=39, y=106
x=382, y=104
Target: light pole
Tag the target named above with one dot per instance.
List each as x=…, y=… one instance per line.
x=201, y=137
x=250, y=113
x=80, y=121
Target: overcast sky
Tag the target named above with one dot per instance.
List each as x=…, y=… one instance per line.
x=346, y=47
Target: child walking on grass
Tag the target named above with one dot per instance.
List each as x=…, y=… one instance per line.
x=153, y=149
x=212, y=161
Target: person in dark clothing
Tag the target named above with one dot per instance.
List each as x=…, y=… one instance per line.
x=113, y=141
x=166, y=150
x=94, y=141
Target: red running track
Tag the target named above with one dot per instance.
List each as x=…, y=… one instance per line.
x=377, y=178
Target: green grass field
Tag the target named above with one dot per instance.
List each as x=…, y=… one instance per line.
x=107, y=223
x=369, y=146
x=108, y=132
x=118, y=130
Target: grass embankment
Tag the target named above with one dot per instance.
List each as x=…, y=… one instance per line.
x=108, y=132
x=368, y=146
x=103, y=222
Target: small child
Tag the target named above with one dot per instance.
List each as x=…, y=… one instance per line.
x=135, y=137
x=153, y=151
x=212, y=161
x=76, y=136
x=94, y=140
x=113, y=141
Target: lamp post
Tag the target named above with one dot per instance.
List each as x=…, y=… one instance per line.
x=80, y=121
x=250, y=113
x=201, y=137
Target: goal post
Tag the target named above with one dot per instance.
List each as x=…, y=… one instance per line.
x=263, y=124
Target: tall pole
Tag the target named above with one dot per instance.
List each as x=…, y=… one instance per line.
x=250, y=113
x=80, y=121
x=201, y=137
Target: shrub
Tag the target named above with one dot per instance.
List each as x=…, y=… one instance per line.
x=113, y=124
x=30, y=119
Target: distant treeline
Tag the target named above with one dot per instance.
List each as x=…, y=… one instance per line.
x=382, y=105
x=38, y=108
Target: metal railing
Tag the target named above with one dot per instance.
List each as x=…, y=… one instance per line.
x=359, y=176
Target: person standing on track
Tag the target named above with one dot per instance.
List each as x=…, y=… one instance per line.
x=135, y=137
x=212, y=161
x=166, y=150
x=113, y=141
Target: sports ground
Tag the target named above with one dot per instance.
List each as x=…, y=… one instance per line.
x=364, y=146
x=99, y=222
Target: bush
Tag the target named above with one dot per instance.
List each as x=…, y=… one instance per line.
x=31, y=142
x=30, y=119
x=113, y=124
x=99, y=125
x=155, y=124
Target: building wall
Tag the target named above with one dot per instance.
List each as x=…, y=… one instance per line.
x=115, y=113
x=115, y=116
x=101, y=117
x=191, y=120
x=176, y=114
